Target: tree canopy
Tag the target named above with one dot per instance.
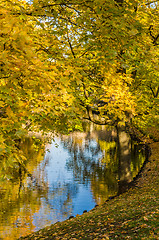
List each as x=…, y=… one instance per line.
x=62, y=62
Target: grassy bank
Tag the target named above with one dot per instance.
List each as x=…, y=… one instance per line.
x=132, y=215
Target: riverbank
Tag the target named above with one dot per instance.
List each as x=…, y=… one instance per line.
x=132, y=215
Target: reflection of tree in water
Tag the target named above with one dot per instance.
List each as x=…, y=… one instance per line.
x=20, y=192
x=60, y=198
x=131, y=158
x=83, y=157
x=106, y=159
x=139, y=153
x=86, y=161
x=60, y=193
x=98, y=157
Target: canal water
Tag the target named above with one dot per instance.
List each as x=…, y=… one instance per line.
x=76, y=173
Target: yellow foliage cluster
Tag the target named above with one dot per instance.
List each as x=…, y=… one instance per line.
x=61, y=63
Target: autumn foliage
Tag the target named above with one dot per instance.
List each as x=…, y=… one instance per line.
x=65, y=61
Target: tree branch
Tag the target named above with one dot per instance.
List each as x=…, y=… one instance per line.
x=155, y=94
x=155, y=38
x=71, y=46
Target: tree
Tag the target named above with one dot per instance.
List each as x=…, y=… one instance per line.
x=31, y=89
x=109, y=47
x=64, y=61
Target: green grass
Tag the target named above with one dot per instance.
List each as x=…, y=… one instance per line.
x=132, y=215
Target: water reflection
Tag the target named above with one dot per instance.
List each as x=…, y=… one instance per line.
x=85, y=169
x=19, y=194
